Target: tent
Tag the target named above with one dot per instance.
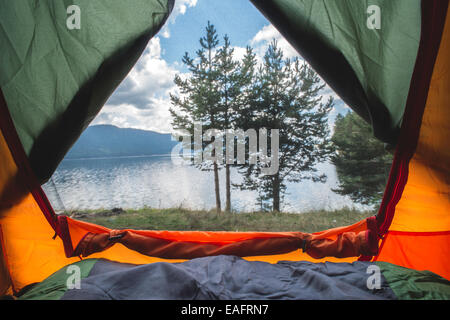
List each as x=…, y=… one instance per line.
x=55, y=79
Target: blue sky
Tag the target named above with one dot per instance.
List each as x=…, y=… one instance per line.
x=237, y=18
x=142, y=100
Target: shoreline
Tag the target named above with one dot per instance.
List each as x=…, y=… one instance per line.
x=180, y=219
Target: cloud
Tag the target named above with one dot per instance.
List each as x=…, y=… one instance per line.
x=154, y=118
x=239, y=53
x=265, y=36
x=261, y=42
x=142, y=100
x=180, y=8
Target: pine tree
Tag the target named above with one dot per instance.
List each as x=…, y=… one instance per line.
x=230, y=90
x=285, y=95
x=362, y=162
x=245, y=103
x=200, y=97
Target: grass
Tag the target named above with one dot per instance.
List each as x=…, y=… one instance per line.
x=183, y=219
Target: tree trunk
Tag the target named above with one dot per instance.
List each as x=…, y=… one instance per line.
x=276, y=193
x=216, y=186
x=228, y=188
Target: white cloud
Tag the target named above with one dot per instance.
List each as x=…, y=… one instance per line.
x=239, y=53
x=260, y=42
x=265, y=36
x=152, y=74
x=182, y=5
x=128, y=116
x=180, y=8
x=142, y=100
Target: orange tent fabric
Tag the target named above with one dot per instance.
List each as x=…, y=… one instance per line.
x=189, y=245
x=418, y=235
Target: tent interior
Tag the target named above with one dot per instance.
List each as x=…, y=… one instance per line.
x=54, y=82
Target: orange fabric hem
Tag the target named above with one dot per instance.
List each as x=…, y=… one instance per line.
x=189, y=245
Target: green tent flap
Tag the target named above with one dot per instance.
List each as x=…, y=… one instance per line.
x=409, y=284
x=370, y=69
x=55, y=79
x=54, y=287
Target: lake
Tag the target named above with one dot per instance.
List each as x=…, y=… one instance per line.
x=157, y=182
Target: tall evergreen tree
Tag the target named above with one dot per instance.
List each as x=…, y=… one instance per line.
x=200, y=100
x=245, y=106
x=362, y=162
x=230, y=90
x=285, y=95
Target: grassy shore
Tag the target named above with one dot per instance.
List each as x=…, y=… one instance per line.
x=184, y=219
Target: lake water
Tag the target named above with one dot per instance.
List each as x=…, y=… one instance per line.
x=157, y=182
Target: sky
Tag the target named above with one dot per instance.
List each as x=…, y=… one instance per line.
x=142, y=99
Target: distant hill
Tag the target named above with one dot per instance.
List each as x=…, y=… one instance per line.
x=111, y=141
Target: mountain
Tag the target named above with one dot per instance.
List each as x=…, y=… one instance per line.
x=111, y=141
